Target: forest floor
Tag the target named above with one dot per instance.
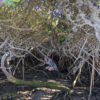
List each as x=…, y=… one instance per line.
x=9, y=91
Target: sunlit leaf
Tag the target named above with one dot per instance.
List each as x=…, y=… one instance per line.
x=49, y=17
x=55, y=23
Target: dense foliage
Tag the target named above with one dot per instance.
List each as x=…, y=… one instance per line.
x=57, y=36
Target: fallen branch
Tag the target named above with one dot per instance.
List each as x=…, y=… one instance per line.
x=35, y=83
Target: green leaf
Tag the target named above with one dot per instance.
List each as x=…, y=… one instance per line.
x=98, y=3
x=55, y=23
x=8, y=2
x=61, y=39
x=16, y=1
x=49, y=33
